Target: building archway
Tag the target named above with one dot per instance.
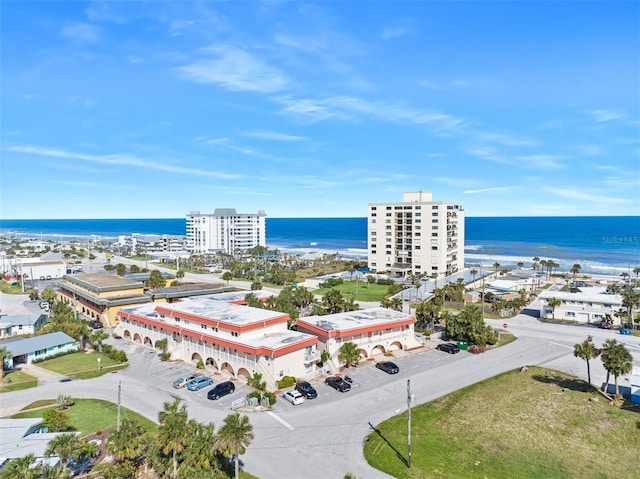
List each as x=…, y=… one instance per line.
x=195, y=358
x=244, y=373
x=127, y=334
x=137, y=338
x=363, y=354
x=377, y=350
x=395, y=346
x=228, y=368
x=148, y=342
x=211, y=362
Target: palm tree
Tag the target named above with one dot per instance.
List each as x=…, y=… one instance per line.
x=630, y=301
x=554, y=303
x=20, y=467
x=97, y=338
x=4, y=355
x=172, y=437
x=349, y=353
x=473, y=274
x=520, y=264
x=234, y=437
x=536, y=263
x=63, y=445
x=200, y=454
x=586, y=350
x=636, y=271
x=575, y=269
x=128, y=442
x=179, y=274
x=617, y=360
x=496, y=265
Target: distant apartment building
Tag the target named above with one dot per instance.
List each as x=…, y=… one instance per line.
x=153, y=243
x=416, y=235
x=225, y=231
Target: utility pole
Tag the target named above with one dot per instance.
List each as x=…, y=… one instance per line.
x=409, y=423
x=119, y=390
x=482, y=273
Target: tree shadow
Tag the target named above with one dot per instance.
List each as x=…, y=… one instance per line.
x=564, y=383
x=398, y=453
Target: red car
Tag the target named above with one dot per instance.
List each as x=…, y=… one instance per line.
x=605, y=326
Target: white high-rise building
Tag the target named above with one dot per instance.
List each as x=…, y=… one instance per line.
x=225, y=230
x=417, y=235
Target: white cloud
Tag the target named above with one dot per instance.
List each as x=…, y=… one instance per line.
x=235, y=69
x=601, y=116
x=272, y=135
x=393, y=32
x=584, y=195
x=492, y=189
x=505, y=139
x=121, y=159
x=541, y=161
x=489, y=153
x=81, y=32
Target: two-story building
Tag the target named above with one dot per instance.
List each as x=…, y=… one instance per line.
x=375, y=331
x=227, y=338
x=590, y=305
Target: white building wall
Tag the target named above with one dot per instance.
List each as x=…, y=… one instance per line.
x=417, y=235
x=225, y=230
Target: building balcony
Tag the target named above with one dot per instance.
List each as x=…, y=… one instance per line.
x=312, y=357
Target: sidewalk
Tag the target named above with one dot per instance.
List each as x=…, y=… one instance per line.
x=44, y=376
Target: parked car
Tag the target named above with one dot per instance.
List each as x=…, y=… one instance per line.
x=221, y=389
x=338, y=384
x=49, y=277
x=605, y=325
x=448, y=348
x=388, y=367
x=294, y=396
x=199, y=383
x=182, y=381
x=306, y=389
x=41, y=278
x=95, y=324
x=44, y=305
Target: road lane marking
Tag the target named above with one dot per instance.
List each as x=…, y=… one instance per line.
x=563, y=345
x=281, y=421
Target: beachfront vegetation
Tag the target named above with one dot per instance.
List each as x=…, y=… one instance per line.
x=480, y=432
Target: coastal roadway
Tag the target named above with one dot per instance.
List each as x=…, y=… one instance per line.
x=323, y=438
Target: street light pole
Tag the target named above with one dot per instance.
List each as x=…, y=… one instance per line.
x=409, y=423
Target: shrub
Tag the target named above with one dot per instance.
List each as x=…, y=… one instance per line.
x=165, y=356
x=385, y=281
x=271, y=396
x=57, y=355
x=200, y=364
x=56, y=421
x=476, y=349
x=286, y=382
x=254, y=394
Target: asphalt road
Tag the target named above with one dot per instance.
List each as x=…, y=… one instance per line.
x=323, y=438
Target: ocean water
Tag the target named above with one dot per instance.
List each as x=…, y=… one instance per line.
x=607, y=245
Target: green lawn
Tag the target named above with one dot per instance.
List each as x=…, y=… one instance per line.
x=82, y=365
x=516, y=425
x=366, y=292
x=91, y=415
x=17, y=380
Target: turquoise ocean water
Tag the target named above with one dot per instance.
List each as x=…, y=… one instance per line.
x=608, y=245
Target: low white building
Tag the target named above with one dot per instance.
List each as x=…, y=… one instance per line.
x=590, y=305
x=21, y=324
x=27, y=350
x=21, y=437
x=375, y=331
x=228, y=338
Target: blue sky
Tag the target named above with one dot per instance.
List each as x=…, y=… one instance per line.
x=132, y=109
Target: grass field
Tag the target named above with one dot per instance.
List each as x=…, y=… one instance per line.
x=516, y=425
x=90, y=415
x=82, y=365
x=366, y=292
x=17, y=380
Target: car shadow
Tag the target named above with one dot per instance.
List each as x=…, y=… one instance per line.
x=398, y=453
x=564, y=383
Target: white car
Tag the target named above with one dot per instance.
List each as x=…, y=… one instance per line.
x=294, y=397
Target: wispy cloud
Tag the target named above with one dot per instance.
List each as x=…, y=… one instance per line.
x=493, y=189
x=541, y=161
x=584, y=195
x=275, y=136
x=490, y=154
x=81, y=32
x=393, y=32
x=505, y=139
x=601, y=116
x=350, y=108
x=234, y=69
x=120, y=160
x=456, y=181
